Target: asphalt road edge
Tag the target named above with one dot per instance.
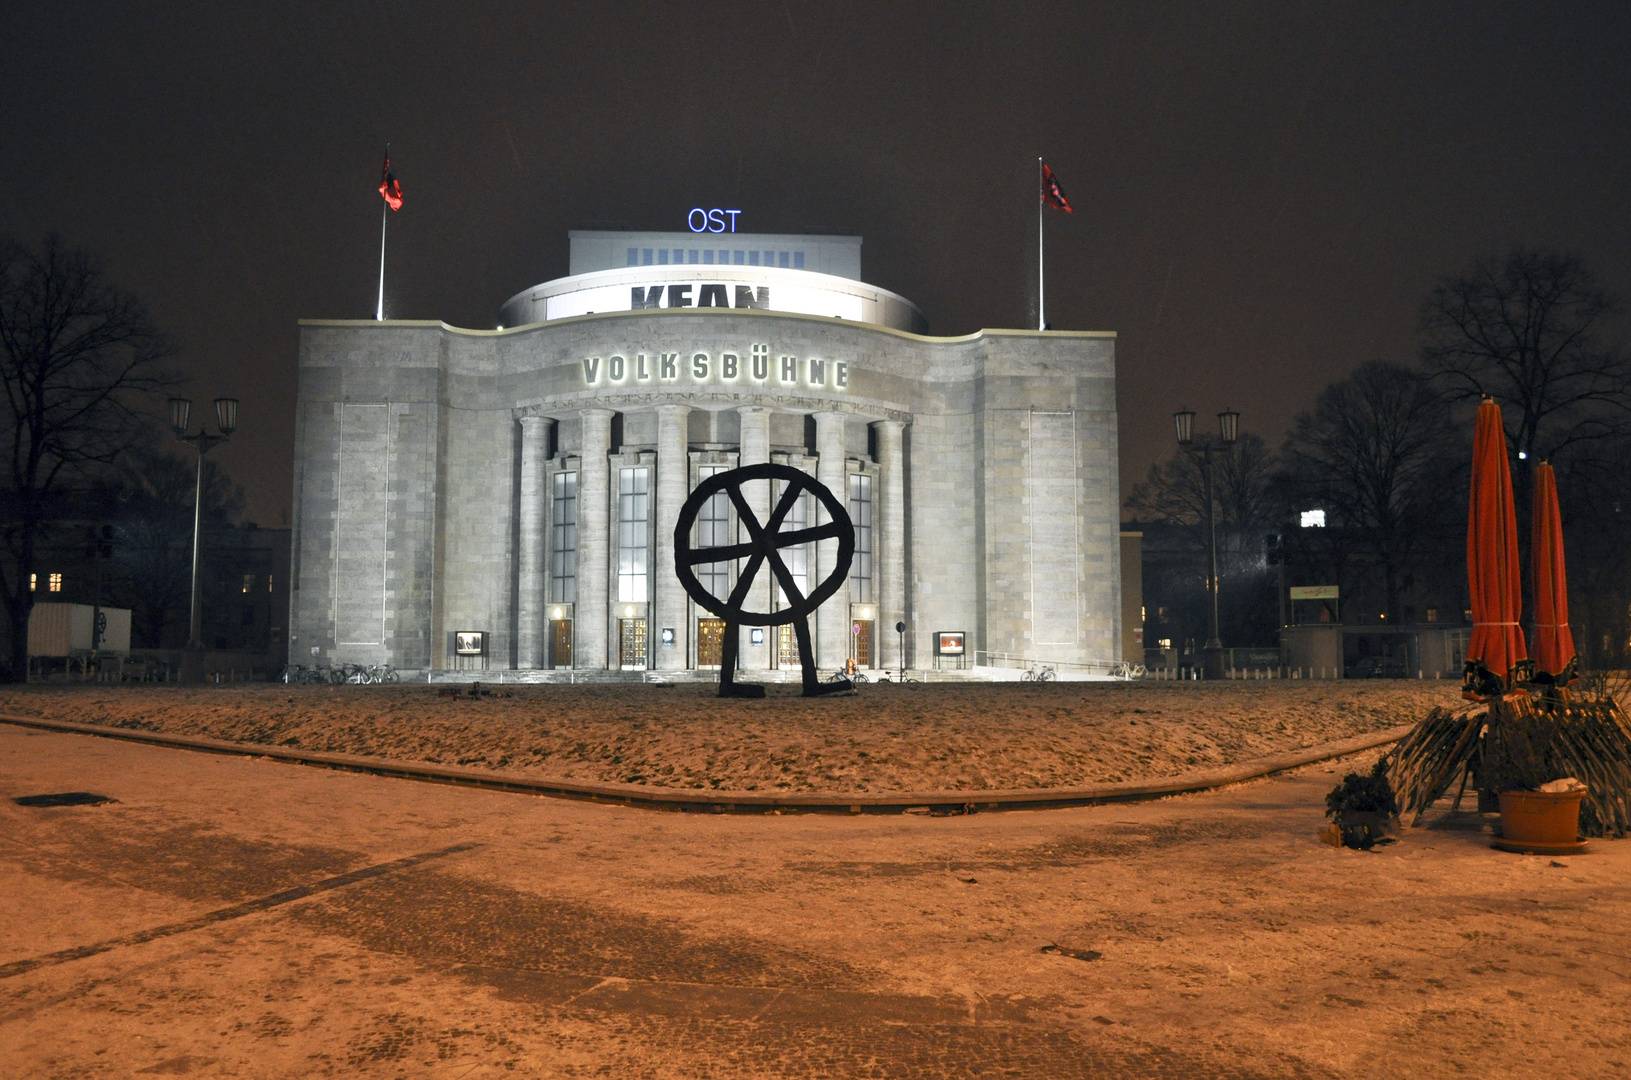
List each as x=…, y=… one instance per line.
x=749, y=802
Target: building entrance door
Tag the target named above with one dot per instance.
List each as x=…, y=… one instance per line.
x=710, y=642
x=861, y=635
x=631, y=644
x=787, y=647
x=560, y=643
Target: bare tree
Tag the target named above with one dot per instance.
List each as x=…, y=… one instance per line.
x=1175, y=492
x=153, y=520
x=77, y=358
x=1374, y=454
x=1527, y=331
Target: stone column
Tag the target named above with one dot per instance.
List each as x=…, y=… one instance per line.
x=754, y=449
x=889, y=541
x=673, y=485
x=832, y=618
x=532, y=572
x=590, y=639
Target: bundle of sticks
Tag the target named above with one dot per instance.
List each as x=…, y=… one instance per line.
x=1539, y=737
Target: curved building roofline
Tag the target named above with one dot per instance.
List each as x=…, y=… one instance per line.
x=707, y=313
x=687, y=285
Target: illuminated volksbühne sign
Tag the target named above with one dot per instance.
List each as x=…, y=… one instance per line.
x=729, y=367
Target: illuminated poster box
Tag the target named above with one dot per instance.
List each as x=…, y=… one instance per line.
x=949, y=642
x=470, y=643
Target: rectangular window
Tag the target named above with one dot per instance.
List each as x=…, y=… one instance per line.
x=796, y=558
x=724, y=258
x=662, y=256
x=249, y=582
x=714, y=530
x=563, y=540
x=860, y=512
x=770, y=258
x=645, y=257
x=55, y=583
x=633, y=527
x=708, y=257
x=679, y=255
x=753, y=258
x=782, y=259
x=798, y=260
x=634, y=256
x=33, y=583
x=691, y=256
x=738, y=259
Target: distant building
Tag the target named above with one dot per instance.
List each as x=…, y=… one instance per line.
x=524, y=483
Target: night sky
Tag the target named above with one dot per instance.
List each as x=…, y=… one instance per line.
x=1264, y=192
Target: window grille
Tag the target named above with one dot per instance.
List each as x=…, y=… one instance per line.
x=563, y=529
x=797, y=558
x=633, y=529
x=860, y=512
x=714, y=530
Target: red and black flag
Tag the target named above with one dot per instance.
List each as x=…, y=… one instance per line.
x=389, y=189
x=1051, y=195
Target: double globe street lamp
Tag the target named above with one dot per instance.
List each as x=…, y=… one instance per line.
x=226, y=419
x=1202, y=448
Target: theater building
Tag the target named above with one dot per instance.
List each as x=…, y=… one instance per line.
x=472, y=500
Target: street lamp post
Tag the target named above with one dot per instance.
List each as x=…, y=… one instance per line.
x=1228, y=432
x=226, y=418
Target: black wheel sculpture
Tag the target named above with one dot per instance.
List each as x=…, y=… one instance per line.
x=762, y=549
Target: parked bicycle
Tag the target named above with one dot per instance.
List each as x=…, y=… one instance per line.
x=1128, y=671
x=353, y=674
x=372, y=675
x=1038, y=673
x=900, y=677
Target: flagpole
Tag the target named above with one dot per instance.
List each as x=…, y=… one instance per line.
x=1041, y=289
x=384, y=208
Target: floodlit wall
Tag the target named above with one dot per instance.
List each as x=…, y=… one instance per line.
x=425, y=456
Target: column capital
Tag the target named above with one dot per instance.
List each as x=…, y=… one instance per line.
x=753, y=410
x=672, y=409
x=890, y=425
x=533, y=420
x=595, y=412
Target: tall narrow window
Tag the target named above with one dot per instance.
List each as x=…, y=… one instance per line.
x=860, y=512
x=54, y=583
x=633, y=527
x=797, y=558
x=714, y=530
x=563, y=540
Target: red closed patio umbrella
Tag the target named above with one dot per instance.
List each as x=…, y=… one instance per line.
x=1555, y=660
x=1495, y=656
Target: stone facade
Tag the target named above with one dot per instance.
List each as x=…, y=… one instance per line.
x=431, y=463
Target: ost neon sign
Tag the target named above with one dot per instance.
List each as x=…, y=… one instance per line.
x=712, y=220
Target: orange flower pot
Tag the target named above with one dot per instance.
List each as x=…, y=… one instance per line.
x=1546, y=823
